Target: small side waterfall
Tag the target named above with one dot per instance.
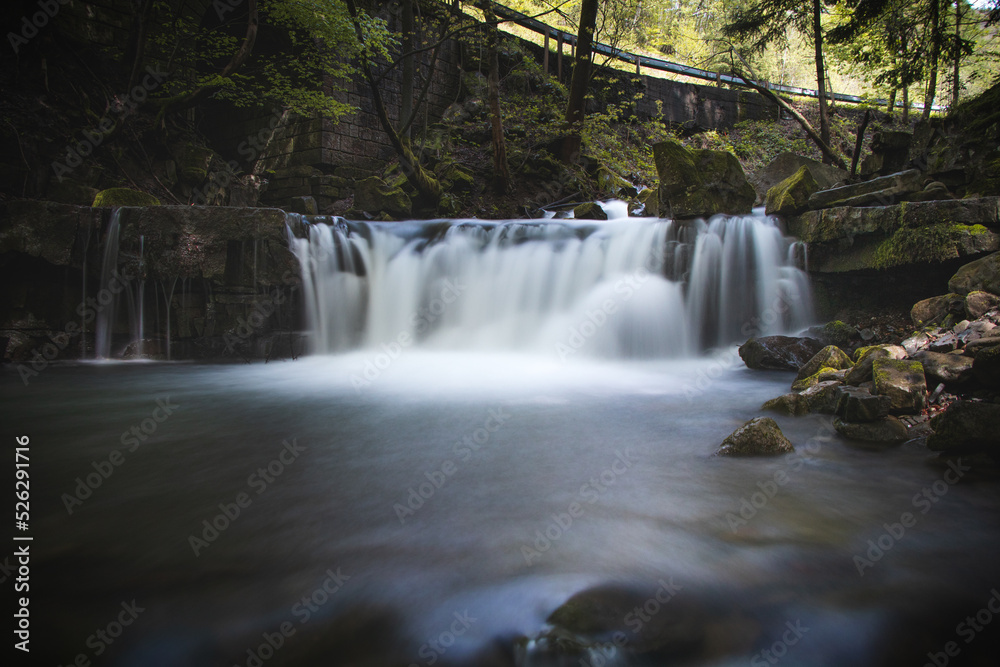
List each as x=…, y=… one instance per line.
x=637, y=287
x=107, y=296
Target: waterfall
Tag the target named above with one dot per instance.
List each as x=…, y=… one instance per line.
x=107, y=296
x=631, y=287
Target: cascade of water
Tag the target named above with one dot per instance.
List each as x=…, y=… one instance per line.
x=637, y=287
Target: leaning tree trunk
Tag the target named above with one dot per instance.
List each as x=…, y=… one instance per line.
x=581, y=80
x=956, y=84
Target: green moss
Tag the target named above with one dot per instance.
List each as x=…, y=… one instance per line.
x=124, y=197
x=791, y=195
x=934, y=243
x=822, y=375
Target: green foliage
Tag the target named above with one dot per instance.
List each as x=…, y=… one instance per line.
x=124, y=197
x=757, y=142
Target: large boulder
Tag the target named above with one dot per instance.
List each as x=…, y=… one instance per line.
x=787, y=404
x=890, y=151
x=791, y=195
x=903, y=382
x=951, y=369
x=758, y=437
x=936, y=308
x=986, y=366
x=858, y=405
x=966, y=425
x=866, y=356
x=887, y=430
x=830, y=356
x=786, y=164
x=822, y=397
x=778, y=353
x=982, y=275
x=696, y=183
x=589, y=211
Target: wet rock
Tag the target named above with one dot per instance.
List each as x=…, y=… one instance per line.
x=779, y=353
x=903, y=382
x=700, y=183
x=787, y=404
x=866, y=356
x=979, y=303
x=945, y=343
x=966, y=425
x=986, y=366
x=791, y=195
x=951, y=369
x=936, y=308
x=915, y=343
x=887, y=430
x=758, y=437
x=589, y=211
x=982, y=275
x=822, y=397
x=830, y=356
x=124, y=197
x=859, y=405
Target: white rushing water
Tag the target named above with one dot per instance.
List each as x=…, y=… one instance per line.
x=625, y=288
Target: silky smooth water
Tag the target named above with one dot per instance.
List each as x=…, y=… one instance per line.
x=500, y=445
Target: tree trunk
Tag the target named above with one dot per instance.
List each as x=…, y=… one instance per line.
x=407, y=68
x=956, y=84
x=824, y=120
x=935, y=53
x=575, y=108
x=501, y=172
x=891, y=107
x=906, y=105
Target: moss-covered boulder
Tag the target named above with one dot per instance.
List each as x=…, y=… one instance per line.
x=982, y=275
x=830, y=356
x=934, y=244
x=966, y=425
x=700, y=182
x=124, y=197
x=589, y=211
x=858, y=405
x=903, y=382
x=791, y=196
x=758, y=437
x=787, y=404
x=372, y=195
x=862, y=370
x=825, y=374
x=887, y=430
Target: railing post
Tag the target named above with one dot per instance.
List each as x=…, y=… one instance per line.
x=545, y=55
x=559, y=48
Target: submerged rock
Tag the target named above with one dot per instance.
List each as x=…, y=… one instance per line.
x=779, y=353
x=966, y=425
x=887, y=430
x=858, y=405
x=760, y=436
x=903, y=382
